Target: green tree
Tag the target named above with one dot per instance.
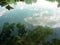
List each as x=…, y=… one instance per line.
x=55, y=42
x=7, y=37
x=52, y=42
x=23, y=37
x=21, y=29
x=7, y=3
x=38, y=35
x=6, y=33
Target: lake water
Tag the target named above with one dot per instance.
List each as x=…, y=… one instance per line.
x=34, y=17
x=35, y=14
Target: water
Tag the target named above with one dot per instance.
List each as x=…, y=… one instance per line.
x=30, y=16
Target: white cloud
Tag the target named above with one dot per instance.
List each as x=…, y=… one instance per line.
x=46, y=4
x=1, y=13
x=38, y=4
x=44, y=18
x=2, y=10
x=56, y=25
x=28, y=19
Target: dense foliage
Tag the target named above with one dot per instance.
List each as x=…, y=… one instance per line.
x=7, y=3
x=25, y=37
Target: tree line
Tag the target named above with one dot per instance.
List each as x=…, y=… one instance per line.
x=23, y=36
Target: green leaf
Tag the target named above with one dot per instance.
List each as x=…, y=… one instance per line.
x=9, y=7
x=3, y=3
